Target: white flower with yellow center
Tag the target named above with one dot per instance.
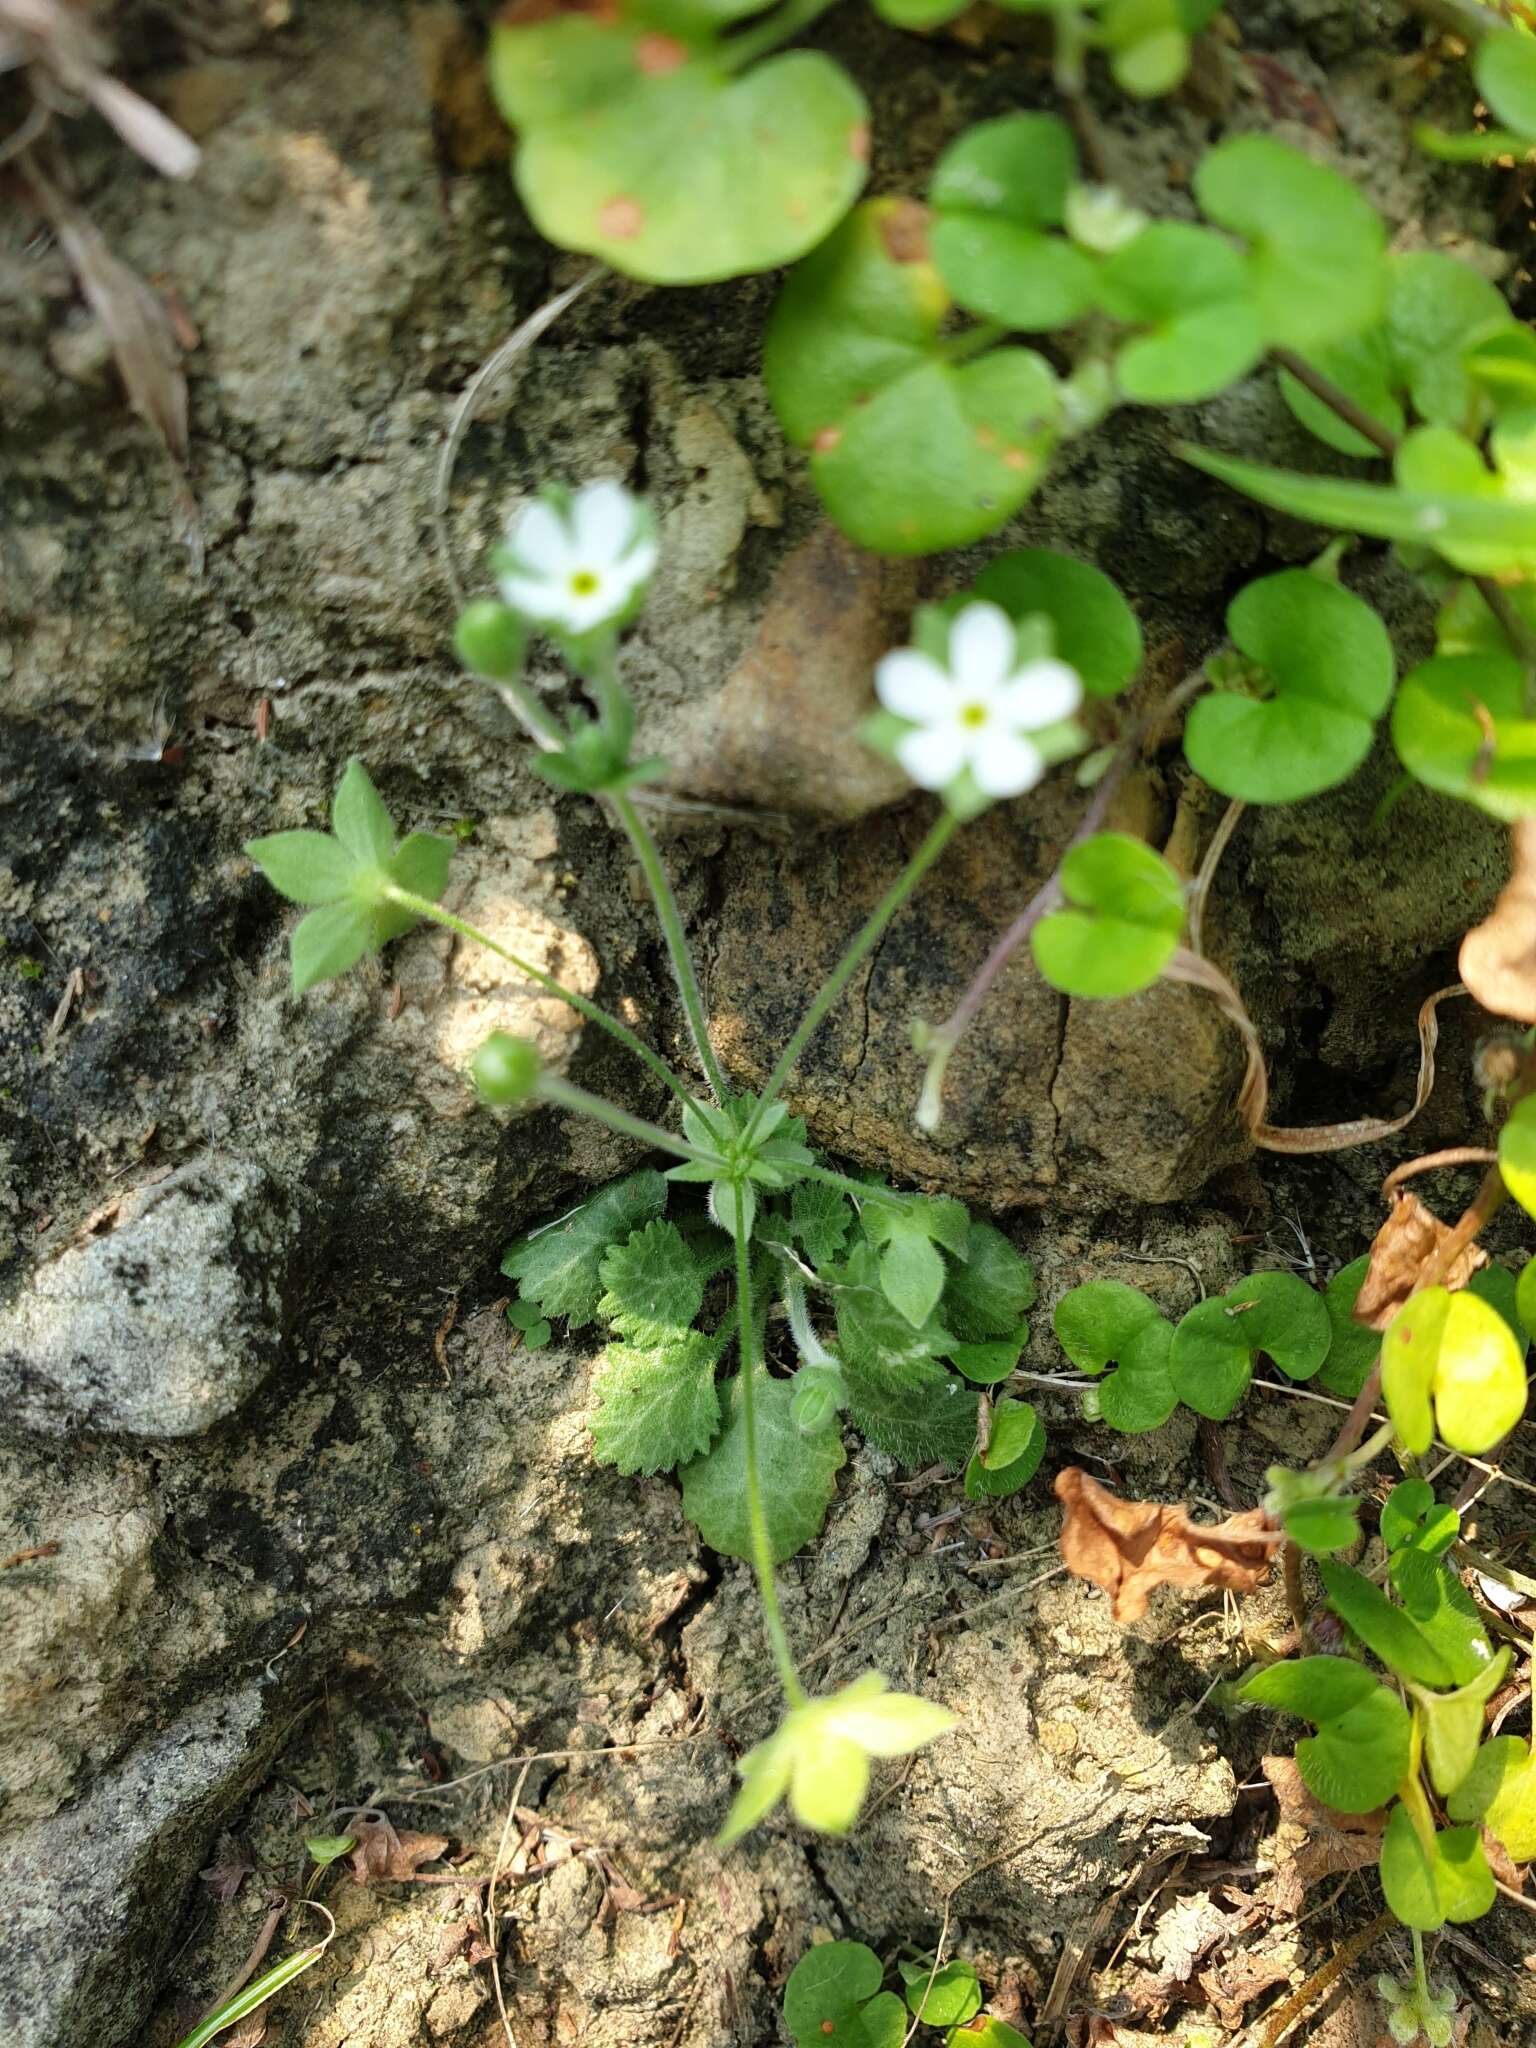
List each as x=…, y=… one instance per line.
x=978, y=711
x=577, y=566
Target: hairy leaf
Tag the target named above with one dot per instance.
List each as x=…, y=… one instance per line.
x=653, y=1282
x=656, y=1404
x=797, y=1472
x=559, y=1267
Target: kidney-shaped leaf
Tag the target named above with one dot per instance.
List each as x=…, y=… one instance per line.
x=1121, y=925
x=1505, y=69
x=1194, y=294
x=1459, y=727
x=1285, y=1319
x=1357, y=1759
x=1096, y=632
x=638, y=145
x=1315, y=242
x=1434, y=1875
x=995, y=193
x=910, y=451
x=1325, y=661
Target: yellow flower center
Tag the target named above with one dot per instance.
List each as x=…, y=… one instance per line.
x=583, y=583
x=973, y=715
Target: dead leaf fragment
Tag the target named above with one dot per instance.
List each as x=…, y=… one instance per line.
x=1131, y=1547
x=383, y=1852
x=1313, y=1841
x=1405, y=1245
x=1498, y=956
x=229, y=1869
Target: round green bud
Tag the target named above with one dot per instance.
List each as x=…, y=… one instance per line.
x=490, y=639
x=818, y=1395
x=506, y=1069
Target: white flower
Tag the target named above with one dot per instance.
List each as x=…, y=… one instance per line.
x=577, y=567
x=978, y=712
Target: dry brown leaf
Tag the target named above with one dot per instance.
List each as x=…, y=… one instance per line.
x=59, y=40
x=1498, y=957
x=460, y=1938
x=229, y=1869
x=1404, y=1246
x=1232, y=1986
x=1315, y=1841
x=1131, y=1547
x=382, y=1852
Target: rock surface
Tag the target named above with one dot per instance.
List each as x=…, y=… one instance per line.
x=300, y=1529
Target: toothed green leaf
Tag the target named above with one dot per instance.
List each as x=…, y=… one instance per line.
x=559, y=1267
x=797, y=1474
x=657, y=1405
x=653, y=1282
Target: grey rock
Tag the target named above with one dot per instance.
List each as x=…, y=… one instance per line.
x=162, y=1326
x=89, y=1898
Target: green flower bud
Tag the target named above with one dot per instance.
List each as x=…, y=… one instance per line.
x=506, y=1069
x=818, y=1395
x=490, y=640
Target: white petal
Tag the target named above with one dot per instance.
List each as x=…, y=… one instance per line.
x=1006, y=763
x=933, y=755
x=982, y=645
x=1040, y=693
x=636, y=566
x=603, y=520
x=539, y=539
x=536, y=597
x=913, y=686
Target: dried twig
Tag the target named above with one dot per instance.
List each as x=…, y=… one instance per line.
x=57, y=42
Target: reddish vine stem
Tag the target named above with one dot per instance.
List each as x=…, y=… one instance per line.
x=1453, y=1155
x=1048, y=895
x=1382, y=438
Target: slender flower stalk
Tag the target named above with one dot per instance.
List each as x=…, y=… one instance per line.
x=649, y=856
x=757, y=1521
x=593, y=1012
x=863, y=945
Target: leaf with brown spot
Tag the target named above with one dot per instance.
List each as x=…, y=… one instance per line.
x=229, y=1869
x=1498, y=956
x=1131, y=1547
x=382, y=1852
x=1401, y=1251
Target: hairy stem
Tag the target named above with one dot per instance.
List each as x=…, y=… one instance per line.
x=757, y=1521
x=566, y=1095
x=593, y=1012
x=946, y=1036
x=860, y=949
x=670, y=919
x=807, y=1343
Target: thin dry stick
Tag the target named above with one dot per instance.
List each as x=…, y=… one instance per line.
x=1278, y=2023
x=1208, y=866
x=543, y=1756
x=491, y=1933
x=1453, y=1155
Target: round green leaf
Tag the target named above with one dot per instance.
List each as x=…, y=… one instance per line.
x=1012, y=1457
x=1315, y=242
x=1436, y=310
x=831, y=1979
x=1095, y=629
x=994, y=192
x=1505, y=69
x=1326, y=659
x=985, y=1364
x=1352, y=1353
x=1452, y=1360
x=1459, y=726
x=1122, y=923
x=1193, y=291
x=1322, y=1527
x=637, y=145
x=1411, y=1518
x=1141, y=1395
x=951, y=1997
x=1096, y=1323
x=1211, y=1362
x=1285, y=1319
x=911, y=452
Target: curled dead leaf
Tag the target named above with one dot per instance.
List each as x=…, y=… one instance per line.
x=1401, y=1251
x=1131, y=1547
x=1498, y=956
x=59, y=40
x=385, y=1852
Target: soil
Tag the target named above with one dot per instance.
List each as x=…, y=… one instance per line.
x=310, y=1533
